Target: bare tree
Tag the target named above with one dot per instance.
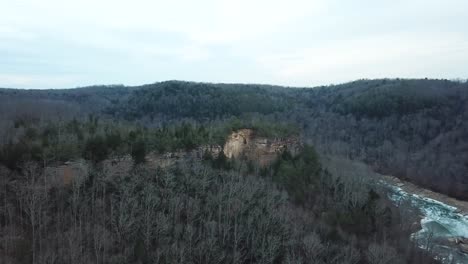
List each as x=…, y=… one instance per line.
x=382, y=254
x=33, y=198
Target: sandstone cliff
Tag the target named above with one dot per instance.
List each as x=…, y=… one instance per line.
x=243, y=143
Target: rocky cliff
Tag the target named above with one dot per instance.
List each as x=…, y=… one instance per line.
x=263, y=150
x=243, y=143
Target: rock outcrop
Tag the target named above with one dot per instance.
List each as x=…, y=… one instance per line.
x=460, y=242
x=238, y=142
x=245, y=142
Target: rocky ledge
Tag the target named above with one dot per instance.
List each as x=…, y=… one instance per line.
x=460, y=242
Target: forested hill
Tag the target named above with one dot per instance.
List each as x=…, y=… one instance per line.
x=201, y=101
x=414, y=129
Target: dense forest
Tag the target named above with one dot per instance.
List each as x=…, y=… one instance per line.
x=413, y=129
x=313, y=206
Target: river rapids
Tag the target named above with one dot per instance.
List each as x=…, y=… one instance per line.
x=441, y=224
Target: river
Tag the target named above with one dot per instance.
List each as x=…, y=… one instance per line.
x=441, y=224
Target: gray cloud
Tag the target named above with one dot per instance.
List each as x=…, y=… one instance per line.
x=54, y=43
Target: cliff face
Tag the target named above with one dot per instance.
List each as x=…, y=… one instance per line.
x=242, y=143
x=238, y=143
x=245, y=142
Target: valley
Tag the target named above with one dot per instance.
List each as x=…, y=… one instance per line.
x=207, y=173
x=443, y=227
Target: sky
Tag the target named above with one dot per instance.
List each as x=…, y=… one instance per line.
x=71, y=43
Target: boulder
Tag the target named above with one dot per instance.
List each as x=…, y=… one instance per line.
x=463, y=248
x=463, y=240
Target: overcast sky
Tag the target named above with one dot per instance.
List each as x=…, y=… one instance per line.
x=69, y=43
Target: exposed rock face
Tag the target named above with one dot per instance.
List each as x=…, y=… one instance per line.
x=463, y=248
x=244, y=142
x=455, y=242
x=241, y=143
x=237, y=143
x=167, y=159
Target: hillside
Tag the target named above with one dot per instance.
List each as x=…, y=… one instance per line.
x=270, y=201
x=413, y=129
x=224, y=173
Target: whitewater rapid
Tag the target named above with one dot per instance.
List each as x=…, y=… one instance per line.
x=439, y=223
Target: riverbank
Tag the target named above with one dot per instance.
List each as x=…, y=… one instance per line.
x=437, y=223
x=462, y=206
x=444, y=224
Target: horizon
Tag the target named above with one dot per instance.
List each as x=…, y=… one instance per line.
x=52, y=44
x=457, y=80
